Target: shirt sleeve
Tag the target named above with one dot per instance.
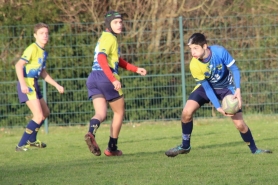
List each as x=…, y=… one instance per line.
x=227, y=58
x=102, y=60
x=236, y=74
x=27, y=54
x=210, y=94
x=124, y=64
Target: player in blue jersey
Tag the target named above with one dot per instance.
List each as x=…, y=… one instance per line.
x=29, y=68
x=103, y=85
x=217, y=75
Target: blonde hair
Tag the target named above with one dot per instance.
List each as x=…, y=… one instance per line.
x=39, y=26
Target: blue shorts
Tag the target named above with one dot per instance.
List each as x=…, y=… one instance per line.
x=98, y=84
x=34, y=90
x=199, y=94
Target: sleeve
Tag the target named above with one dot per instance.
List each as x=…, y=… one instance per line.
x=236, y=74
x=102, y=60
x=210, y=94
x=124, y=64
x=27, y=54
x=227, y=58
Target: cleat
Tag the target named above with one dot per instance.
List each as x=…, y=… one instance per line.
x=23, y=148
x=261, y=151
x=109, y=153
x=37, y=144
x=177, y=150
x=92, y=144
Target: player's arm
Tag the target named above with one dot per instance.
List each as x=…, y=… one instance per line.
x=212, y=97
x=19, y=72
x=103, y=62
x=124, y=64
x=50, y=80
x=236, y=74
x=210, y=94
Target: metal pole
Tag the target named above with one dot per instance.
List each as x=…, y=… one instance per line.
x=45, y=98
x=182, y=61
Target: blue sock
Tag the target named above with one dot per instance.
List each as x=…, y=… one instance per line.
x=33, y=136
x=94, y=124
x=186, y=133
x=248, y=139
x=30, y=128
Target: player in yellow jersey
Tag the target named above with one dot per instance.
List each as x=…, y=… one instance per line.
x=103, y=85
x=217, y=75
x=29, y=68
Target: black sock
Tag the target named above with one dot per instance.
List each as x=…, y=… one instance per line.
x=94, y=124
x=248, y=139
x=186, y=133
x=112, y=145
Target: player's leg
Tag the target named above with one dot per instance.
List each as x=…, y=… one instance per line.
x=100, y=107
x=95, y=93
x=32, y=101
x=33, y=141
x=196, y=99
x=187, y=126
x=33, y=125
x=246, y=133
x=117, y=106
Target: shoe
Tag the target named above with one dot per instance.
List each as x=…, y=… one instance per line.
x=177, y=150
x=109, y=153
x=37, y=143
x=261, y=151
x=92, y=144
x=23, y=148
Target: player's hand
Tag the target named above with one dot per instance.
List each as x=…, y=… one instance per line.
x=24, y=88
x=141, y=71
x=60, y=88
x=238, y=96
x=223, y=112
x=117, y=85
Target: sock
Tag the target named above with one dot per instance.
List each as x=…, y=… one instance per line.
x=186, y=133
x=94, y=124
x=33, y=136
x=30, y=128
x=248, y=139
x=112, y=145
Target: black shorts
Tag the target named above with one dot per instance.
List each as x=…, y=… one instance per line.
x=199, y=94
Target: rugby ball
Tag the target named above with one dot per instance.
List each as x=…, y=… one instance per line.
x=230, y=104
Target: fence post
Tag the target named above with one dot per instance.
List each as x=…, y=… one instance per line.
x=45, y=98
x=182, y=61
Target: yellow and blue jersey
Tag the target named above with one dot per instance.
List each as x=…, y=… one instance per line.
x=215, y=71
x=35, y=58
x=108, y=45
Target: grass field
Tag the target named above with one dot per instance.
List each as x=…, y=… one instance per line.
x=218, y=156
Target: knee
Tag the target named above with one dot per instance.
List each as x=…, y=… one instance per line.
x=100, y=117
x=38, y=118
x=241, y=127
x=186, y=116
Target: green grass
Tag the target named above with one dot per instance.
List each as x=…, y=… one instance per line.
x=218, y=156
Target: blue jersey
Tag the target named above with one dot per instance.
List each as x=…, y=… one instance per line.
x=215, y=71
